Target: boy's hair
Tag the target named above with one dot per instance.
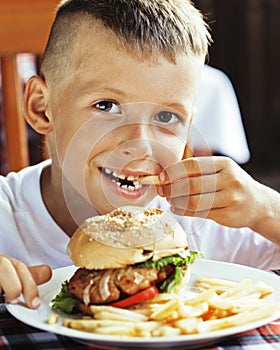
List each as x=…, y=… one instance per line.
x=166, y=27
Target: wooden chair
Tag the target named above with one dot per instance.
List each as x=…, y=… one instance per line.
x=24, y=28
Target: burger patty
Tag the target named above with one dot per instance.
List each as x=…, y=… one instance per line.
x=106, y=286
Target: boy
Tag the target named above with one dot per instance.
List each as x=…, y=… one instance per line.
x=115, y=101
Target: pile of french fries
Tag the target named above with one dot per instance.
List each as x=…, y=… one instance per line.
x=213, y=304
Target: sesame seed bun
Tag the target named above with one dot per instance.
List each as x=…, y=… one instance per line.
x=126, y=236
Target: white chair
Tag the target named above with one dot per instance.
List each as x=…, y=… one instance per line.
x=217, y=125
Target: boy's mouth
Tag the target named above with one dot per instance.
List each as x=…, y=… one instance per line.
x=127, y=182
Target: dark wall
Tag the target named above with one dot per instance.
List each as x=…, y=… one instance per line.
x=246, y=47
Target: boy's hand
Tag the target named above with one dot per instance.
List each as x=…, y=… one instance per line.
x=213, y=187
x=17, y=278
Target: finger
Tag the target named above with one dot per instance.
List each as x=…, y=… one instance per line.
x=185, y=212
x=212, y=214
x=192, y=167
x=15, y=278
x=195, y=203
x=28, y=285
x=223, y=216
x=191, y=186
x=40, y=273
x=9, y=281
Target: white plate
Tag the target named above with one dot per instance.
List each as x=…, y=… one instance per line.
x=38, y=318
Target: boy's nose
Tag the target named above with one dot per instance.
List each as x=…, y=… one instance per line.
x=139, y=143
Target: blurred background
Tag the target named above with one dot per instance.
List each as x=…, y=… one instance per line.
x=246, y=47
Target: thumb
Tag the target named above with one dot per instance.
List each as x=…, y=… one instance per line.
x=40, y=273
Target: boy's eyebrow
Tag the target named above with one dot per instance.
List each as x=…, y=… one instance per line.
x=114, y=90
x=177, y=106
x=103, y=88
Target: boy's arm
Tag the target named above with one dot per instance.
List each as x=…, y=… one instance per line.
x=267, y=221
x=16, y=279
x=217, y=188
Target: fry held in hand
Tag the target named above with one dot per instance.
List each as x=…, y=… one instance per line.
x=149, y=180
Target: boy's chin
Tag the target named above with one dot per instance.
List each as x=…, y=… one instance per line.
x=109, y=204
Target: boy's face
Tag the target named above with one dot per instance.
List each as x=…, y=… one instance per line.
x=116, y=117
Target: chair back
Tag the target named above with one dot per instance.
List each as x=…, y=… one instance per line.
x=24, y=28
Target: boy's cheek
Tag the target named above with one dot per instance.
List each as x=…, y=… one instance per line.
x=171, y=152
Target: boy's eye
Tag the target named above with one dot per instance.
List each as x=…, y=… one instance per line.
x=108, y=107
x=167, y=117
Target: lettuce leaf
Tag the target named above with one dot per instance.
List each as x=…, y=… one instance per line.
x=182, y=259
x=179, y=261
x=64, y=301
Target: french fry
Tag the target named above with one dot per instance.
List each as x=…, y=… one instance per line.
x=118, y=312
x=107, y=315
x=188, y=311
x=149, y=180
x=243, y=288
x=236, y=304
x=164, y=311
x=53, y=319
x=200, y=298
x=216, y=282
x=166, y=331
x=236, y=320
x=263, y=288
x=120, y=330
x=188, y=325
x=160, y=298
x=88, y=324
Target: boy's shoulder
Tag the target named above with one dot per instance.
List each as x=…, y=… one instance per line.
x=23, y=182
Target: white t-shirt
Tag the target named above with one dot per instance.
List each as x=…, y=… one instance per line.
x=28, y=232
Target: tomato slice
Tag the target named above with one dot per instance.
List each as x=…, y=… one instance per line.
x=143, y=295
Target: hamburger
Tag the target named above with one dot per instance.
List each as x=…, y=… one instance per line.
x=125, y=257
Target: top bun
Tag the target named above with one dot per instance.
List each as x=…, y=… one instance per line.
x=126, y=236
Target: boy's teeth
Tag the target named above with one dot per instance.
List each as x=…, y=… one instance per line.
x=115, y=176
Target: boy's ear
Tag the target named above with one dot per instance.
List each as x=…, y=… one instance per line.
x=35, y=105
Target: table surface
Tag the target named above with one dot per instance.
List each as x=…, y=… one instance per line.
x=17, y=335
